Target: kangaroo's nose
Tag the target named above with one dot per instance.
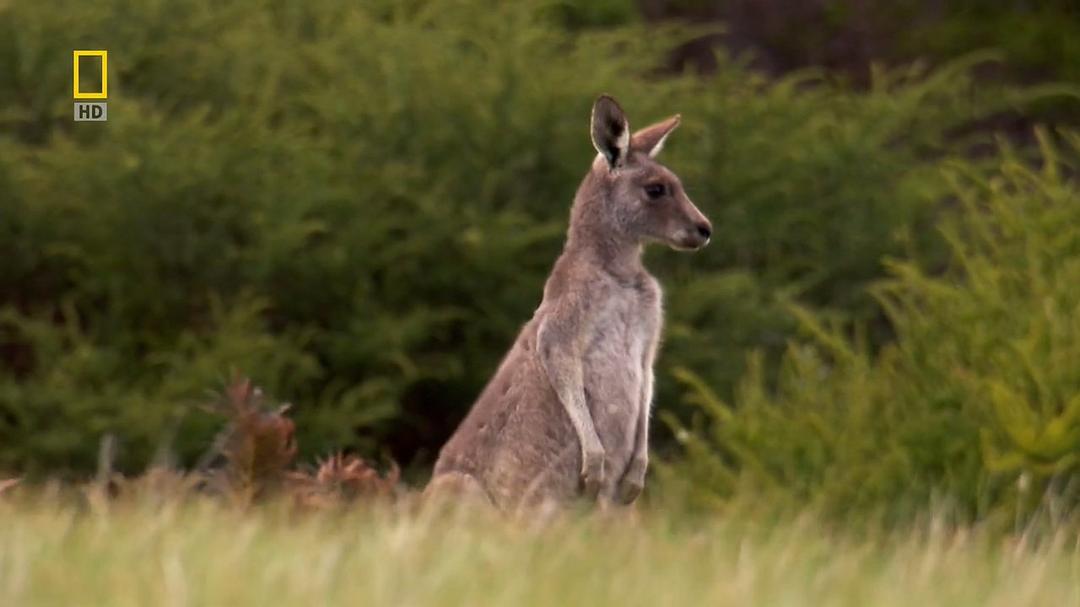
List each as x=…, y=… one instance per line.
x=705, y=230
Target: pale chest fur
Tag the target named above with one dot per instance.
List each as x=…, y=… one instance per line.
x=617, y=365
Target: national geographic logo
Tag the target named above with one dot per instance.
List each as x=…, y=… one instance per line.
x=91, y=111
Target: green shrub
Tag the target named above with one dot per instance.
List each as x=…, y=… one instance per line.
x=976, y=406
x=1040, y=39
x=356, y=204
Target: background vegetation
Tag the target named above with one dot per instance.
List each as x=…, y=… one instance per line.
x=356, y=204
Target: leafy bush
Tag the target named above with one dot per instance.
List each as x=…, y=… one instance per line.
x=356, y=204
x=977, y=403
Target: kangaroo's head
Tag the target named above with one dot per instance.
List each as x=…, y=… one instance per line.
x=633, y=196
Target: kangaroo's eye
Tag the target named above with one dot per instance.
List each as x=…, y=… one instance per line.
x=655, y=190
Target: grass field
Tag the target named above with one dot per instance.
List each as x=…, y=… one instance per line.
x=202, y=553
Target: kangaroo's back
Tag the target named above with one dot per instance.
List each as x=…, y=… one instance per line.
x=566, y=413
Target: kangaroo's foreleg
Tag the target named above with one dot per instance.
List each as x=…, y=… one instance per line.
x=633, y=480
x=559, y=345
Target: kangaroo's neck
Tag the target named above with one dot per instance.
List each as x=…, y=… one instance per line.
x=603, y=244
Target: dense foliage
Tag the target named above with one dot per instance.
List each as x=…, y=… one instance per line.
x=977, y=403
x=356, y=204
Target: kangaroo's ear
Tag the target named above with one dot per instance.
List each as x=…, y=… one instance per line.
x=651, y=138
x=610, y=131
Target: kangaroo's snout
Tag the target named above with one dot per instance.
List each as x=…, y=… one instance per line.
x=705, y=231
x=695, y=231
x=693, y=239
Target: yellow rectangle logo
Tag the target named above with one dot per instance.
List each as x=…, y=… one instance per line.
x=104, y=75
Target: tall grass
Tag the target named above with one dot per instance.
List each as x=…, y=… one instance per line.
x=198, y=553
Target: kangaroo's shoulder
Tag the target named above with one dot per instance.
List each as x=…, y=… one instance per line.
x=577, y=282
x=582, y=284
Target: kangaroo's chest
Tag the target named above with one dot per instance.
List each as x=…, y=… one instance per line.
x=624, y=331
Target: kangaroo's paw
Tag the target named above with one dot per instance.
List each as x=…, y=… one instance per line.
x=592, y=473
x=633, y=482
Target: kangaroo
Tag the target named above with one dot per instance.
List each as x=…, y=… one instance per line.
x=566, y=414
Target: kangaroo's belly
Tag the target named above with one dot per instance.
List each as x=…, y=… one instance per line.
x=614, y=377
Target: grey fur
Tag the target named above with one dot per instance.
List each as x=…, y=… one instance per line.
x=567, y=412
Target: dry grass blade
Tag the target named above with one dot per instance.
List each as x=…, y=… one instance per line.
x=8, y=483
x=260, y=445
x=342, y=479
x=353, y=477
